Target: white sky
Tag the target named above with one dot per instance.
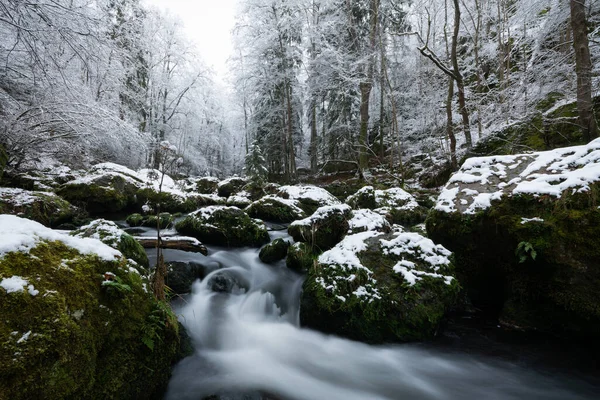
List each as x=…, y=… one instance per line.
x=209, y=24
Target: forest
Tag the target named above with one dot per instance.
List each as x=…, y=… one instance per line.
x=318, y=86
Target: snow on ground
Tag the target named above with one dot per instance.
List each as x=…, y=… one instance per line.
x=18, y=284
x=482, y=180
x=20, y=234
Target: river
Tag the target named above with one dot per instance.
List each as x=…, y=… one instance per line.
x=249, y=346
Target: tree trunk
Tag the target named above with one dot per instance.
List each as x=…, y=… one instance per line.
x=583, y=68
x=313, y=136
x=449, y=126
x=458, y=77
x=366, y=86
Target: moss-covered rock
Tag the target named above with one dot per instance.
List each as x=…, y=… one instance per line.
x=135, y=220
x=399, y=206
x=366, y=220
x=101, y=193
x=274, y=251
x=70, y=330
x=377, y=287
x=309, y=197
x=230, y=186
x=181, y=275
x=224, y=226
x=525, y=230
x=110, y=234
x=276, y=209
x=300, y=257
x=206, y=185
x=45, y=208
x=324, y=229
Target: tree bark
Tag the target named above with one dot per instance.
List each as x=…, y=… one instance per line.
x=365, y=87
x=583, y=68
x=449, y=126
x=458, y=77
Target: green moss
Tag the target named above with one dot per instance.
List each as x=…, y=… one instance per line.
x=300, y=257
x=274, y=251
x=396, y=311
x=557, y=290
x=47, y=209
x=270, y=209
x=324, y=231
x=233, y=186
x=84, y=342
x=206, y=185
x=108, y=194
x=135, y=220
x=226, y=226
x=168, y=201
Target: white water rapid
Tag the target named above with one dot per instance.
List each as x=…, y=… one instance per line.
x=249, y=346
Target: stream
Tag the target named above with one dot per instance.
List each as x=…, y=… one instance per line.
x=249, y=346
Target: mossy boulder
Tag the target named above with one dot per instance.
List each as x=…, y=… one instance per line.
x=168, y=201
x=182, y=275
x=106, y=188
x=230, y=186
x=363, y=220
x=525, y=230
x=240, y=200
x=110, y=234
x=224, y=226
x=275, y=209
x=324, y=229
x=77, y=322
x=309, y=197
x=150, y=221
x=45, y=208
x=274, y=251
x=300, y=257
x=399, y=206
x=206, y=185
x=378, y=287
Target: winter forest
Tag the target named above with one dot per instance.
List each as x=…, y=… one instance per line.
x=315, y=85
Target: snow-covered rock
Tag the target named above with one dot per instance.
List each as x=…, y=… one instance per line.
x=309, y=197
x=526, y=233
x=43, y=207
x=67, y=301
x=378, y=287
x=224, y=226
x=276, y=209
x=110, y=234
x=399, y=206
x=323, y=229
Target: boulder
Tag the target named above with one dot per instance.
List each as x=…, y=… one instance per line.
x=300, y=257
x=378, y=287
x=240, y=200
x=182, y=275
x=276, y=209
x=206, y=185
x=324, y=229
x=309, y=197
x=110, y=234
x=230, y=186
x=227, y=281
x=399, y=206
x=150, y=221
x=77, y=321
x=366, y=220
x=274, y=251
x=106, y=188
x=526, y=233
x=224, y=226
x=45, y=208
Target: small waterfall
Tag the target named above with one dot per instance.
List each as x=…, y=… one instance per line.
x=249, y=346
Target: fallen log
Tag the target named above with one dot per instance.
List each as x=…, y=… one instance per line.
x=184, y=243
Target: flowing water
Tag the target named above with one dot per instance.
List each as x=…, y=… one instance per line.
x=249, y=346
